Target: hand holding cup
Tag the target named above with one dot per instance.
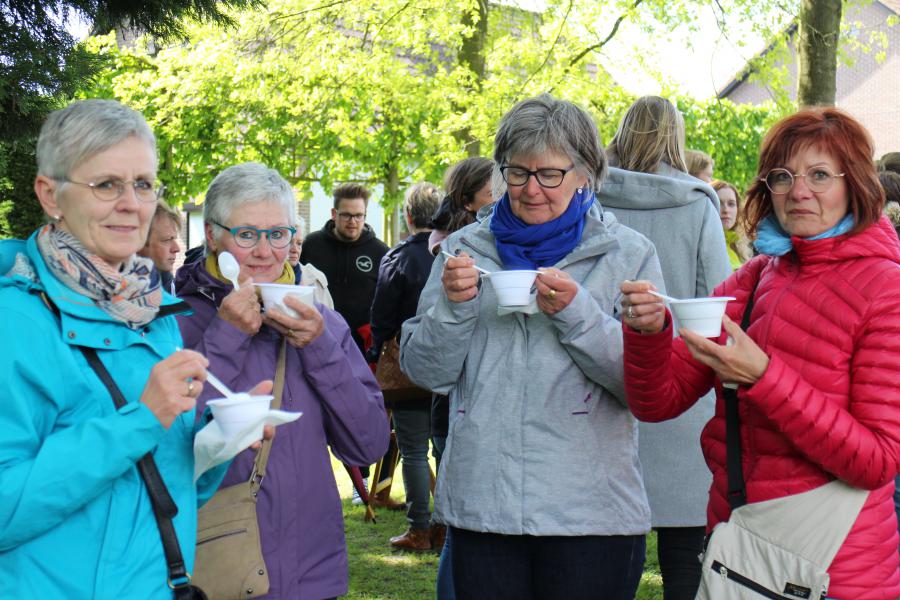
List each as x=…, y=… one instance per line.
x=299, y=332
x=241, y=308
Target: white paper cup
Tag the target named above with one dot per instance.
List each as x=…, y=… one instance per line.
x=513, y=287
x=235, y=413
x=273, y=295
x=703, y=316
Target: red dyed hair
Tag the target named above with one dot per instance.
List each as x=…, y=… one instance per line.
x=829, y=130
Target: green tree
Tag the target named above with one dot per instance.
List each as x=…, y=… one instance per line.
x=42, y=65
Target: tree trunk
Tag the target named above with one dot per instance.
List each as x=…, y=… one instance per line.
x=471, y=57
x=392, y=191
x=820, y=28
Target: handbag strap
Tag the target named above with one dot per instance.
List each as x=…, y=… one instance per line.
x=164, y=507
x=737, y=487
x=262, y=456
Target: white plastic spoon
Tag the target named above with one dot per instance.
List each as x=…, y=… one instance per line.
x=663, y=296
x=477, y=268
x=217, y=383
x=230, y=268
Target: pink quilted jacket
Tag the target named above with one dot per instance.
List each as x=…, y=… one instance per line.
x=828, y=406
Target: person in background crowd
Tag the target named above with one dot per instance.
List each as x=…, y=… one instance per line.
x=890, y=162
x=890, y=181
x=75, y=517
x=467, y=185
x=817, y=366
x=401, y=277
x=163, y=245
x=699, y=164
x=540, y=481
x=250, y=211
x=739, y=250
x=348, y=253
x=653, y=194
x=307, y=274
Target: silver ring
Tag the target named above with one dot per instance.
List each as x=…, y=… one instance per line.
x=190, y=387
x=630, y=312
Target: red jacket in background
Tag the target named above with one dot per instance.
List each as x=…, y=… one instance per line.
x=828, y=405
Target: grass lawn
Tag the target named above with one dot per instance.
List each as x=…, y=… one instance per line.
x=379, y=573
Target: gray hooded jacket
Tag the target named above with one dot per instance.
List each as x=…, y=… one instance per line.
x=680, y=215
x=540, y=440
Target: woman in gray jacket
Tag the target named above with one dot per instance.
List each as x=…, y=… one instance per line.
x=652, y=193
x=540, y=480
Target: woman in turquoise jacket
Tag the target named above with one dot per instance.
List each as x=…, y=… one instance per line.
x=75, y=516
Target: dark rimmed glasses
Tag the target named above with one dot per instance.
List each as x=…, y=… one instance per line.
x=247, y=237
x=546, y=178
x=347, y=217
x=109, y=190
x=818, y=179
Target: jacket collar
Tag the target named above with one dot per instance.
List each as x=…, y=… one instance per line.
x=877, y=241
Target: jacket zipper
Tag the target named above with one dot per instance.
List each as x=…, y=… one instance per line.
x=746, y=582
x=223, y=535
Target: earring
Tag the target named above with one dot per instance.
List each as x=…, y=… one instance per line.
x=56, y=218
x=579, y=190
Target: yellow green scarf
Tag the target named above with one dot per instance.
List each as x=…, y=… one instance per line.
x=212, y=267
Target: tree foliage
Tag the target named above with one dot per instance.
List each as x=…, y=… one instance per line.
x=386, y=92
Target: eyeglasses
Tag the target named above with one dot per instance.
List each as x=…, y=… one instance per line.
x=546, y=178
x=247, y=237
x=818, y=179
x=343, y=216
x=112, y=189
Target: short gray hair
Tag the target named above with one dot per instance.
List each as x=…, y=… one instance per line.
x=247, y=183
x=84, y=128
x=545, y=124
x=421, y=201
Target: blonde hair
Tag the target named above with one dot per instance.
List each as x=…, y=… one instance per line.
x=697, y=162
x=652, y=131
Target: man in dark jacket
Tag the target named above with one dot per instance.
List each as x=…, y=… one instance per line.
x=348, y=252
x=401, y=277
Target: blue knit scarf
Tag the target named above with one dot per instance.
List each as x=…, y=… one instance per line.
x=523, y=246
x=772, y=240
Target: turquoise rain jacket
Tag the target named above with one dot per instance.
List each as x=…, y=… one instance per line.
x=75, y=517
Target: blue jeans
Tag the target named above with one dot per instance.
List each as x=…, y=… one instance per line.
x=445, y=589
x=413, y=429
x=490, y=566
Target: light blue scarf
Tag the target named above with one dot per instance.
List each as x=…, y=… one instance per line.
x=772, y=240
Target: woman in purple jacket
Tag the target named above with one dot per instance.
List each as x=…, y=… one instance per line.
x=250, y=211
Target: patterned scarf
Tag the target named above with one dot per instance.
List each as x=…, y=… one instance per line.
x=523, y=246
x=131, y=294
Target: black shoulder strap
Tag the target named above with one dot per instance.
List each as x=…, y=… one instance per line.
x=737, y=487
x=164, y=508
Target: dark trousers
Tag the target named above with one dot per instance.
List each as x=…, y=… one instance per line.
x=678, y=549
x=489, y=566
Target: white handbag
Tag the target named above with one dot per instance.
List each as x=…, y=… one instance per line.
x=780, y=548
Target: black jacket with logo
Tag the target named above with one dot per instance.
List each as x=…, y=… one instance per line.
x=351, y=269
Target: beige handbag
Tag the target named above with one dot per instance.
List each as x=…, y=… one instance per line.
x=229, y=562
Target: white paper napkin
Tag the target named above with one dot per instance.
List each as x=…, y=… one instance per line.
x=529, y=309
x=212, y=448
